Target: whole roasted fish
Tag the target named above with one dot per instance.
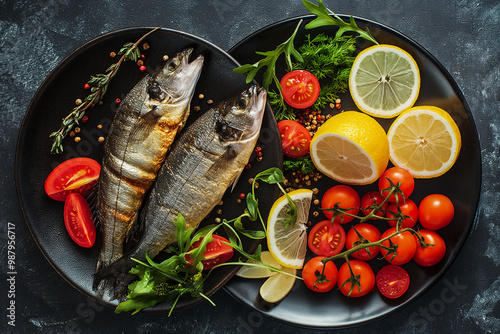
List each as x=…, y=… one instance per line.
x=142, y=131
x=206, y=159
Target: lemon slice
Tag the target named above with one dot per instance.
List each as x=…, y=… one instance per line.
x=425, y=141
x=351, y=148
x=384, y=81
x=276, y=287
x=259, y=272
x=288, y=245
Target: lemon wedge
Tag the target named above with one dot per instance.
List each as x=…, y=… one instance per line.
x=259, y=272
x=424, y=140
x=351, y=148
x=384, y=81
x=288, y=245
x=276, y=287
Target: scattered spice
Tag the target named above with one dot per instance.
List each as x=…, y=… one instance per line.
x=101, y=139
x=140, y=62
x=77, y=139
x=142, y=68
x=86, y=86
x=210, y=101
x=112, y=54
x=99, y=126
x=77, y=130
x=118, y=100
x=145, y=46
x=165, y=57
x=197, y=108
x=78, y=102
x=201, y=96
x=85, y=119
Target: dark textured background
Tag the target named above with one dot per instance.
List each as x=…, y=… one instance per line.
x=35, y=36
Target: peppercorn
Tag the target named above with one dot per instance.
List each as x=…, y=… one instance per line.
x=85, y=118
x=201, y=96
x=242, y=196
x=142, y=68
x=165, y=57
x=78, y=102
x=112, y=54
x=145, y=46
x=77, y=139
x=86, y=86
x=117, y=101
x=77, y=130
x=142, y=56
x=99, y=126
x=101, y=139
x=218, y=220
x=140, y=62
x=197, y=108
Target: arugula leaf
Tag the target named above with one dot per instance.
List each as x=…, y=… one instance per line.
x=272, y=175
x=270, y=60
x=323, y=18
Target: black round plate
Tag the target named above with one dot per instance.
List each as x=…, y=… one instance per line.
x=54, y=100
x=462, y=184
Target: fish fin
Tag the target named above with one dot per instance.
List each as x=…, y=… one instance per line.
x=145, y=125
x=114, y=278
x=92, y=200
x=235, y=181
x=230, y=153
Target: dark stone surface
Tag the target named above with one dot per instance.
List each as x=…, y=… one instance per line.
x=35, y=36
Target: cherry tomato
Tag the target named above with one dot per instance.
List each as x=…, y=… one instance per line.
x=216, y=252
x=430, y=255
x=326, y=239
x=368, y=232
x=366, y=278
x=392, y=281
x=405, y=250
x=300, y=88
x=372, y=198
x=409, y=208
x=73, y=175
x=435, y=212
x=396, y=174
x=346, y=197
x=78, y=220
x=314, y=268
x=295, y=139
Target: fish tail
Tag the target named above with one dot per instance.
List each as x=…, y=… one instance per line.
x=114, y=278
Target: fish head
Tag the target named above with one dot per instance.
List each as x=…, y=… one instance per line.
x=178, y=77
x=241, y=116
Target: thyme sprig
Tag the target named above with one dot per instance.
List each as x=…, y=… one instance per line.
x=99, y=84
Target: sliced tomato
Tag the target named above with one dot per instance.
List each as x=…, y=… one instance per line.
x=300, y=88
x=78, y=220
x=74, y=175
x=217, y=252
x=392, y=281
x=326, y=239
x=295, y=139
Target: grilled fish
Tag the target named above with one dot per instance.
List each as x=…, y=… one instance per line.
x=206, y=159
x=142, y=131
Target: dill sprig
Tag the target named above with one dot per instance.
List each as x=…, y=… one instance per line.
x=99, y=85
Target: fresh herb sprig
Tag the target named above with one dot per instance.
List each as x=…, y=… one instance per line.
x=99, y=85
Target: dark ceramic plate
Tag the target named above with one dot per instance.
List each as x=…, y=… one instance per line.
x=462, y=184
x=56, y=97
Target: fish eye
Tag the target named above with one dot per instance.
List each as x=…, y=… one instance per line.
x=173, y=64
x=241, y=103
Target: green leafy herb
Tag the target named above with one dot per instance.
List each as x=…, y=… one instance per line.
x=323, y=18
x=304, y=165
x=269, y=61
x=99, y=85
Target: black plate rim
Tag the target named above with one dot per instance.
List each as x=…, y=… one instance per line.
x=43, y=86
x=460, y=95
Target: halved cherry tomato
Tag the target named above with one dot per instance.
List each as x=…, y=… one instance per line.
x=409, y=208
x=368, y=232
x=326, y=239
x=217, y=252
x=300, y=88
x=392, y=281
x=295, y=139
x=406, y=246
x=346, y=197
x=366, y=278
x=314, y=268
x=436, y=211
x=396, y=174
x=430, y=255
x=73, y=175
x=78, y=220
x=371, y=198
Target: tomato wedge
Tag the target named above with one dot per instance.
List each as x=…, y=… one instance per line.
x=326, y=239
x=300, y=88
x=392, y=281
x=217, y=252
x=295, y=139
x=73, y=175
x=78, y=220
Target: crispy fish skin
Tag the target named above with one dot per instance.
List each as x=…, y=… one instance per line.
x=142, y=131
x=202, y=164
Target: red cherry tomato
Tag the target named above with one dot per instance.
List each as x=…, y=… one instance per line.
x=409, y=208
x=435, y=212
x=368, y=232
x=300, y=88
x=326, y=239
x=430, y=255
x=78, y=220
x=73, y=175
x=366, y=278
x=216, y=252
x=396, y=174
x=372, y=198
x=314, y=268
x=295, y=139
x=346, y=197
x=405, y=250
x=392, y=281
